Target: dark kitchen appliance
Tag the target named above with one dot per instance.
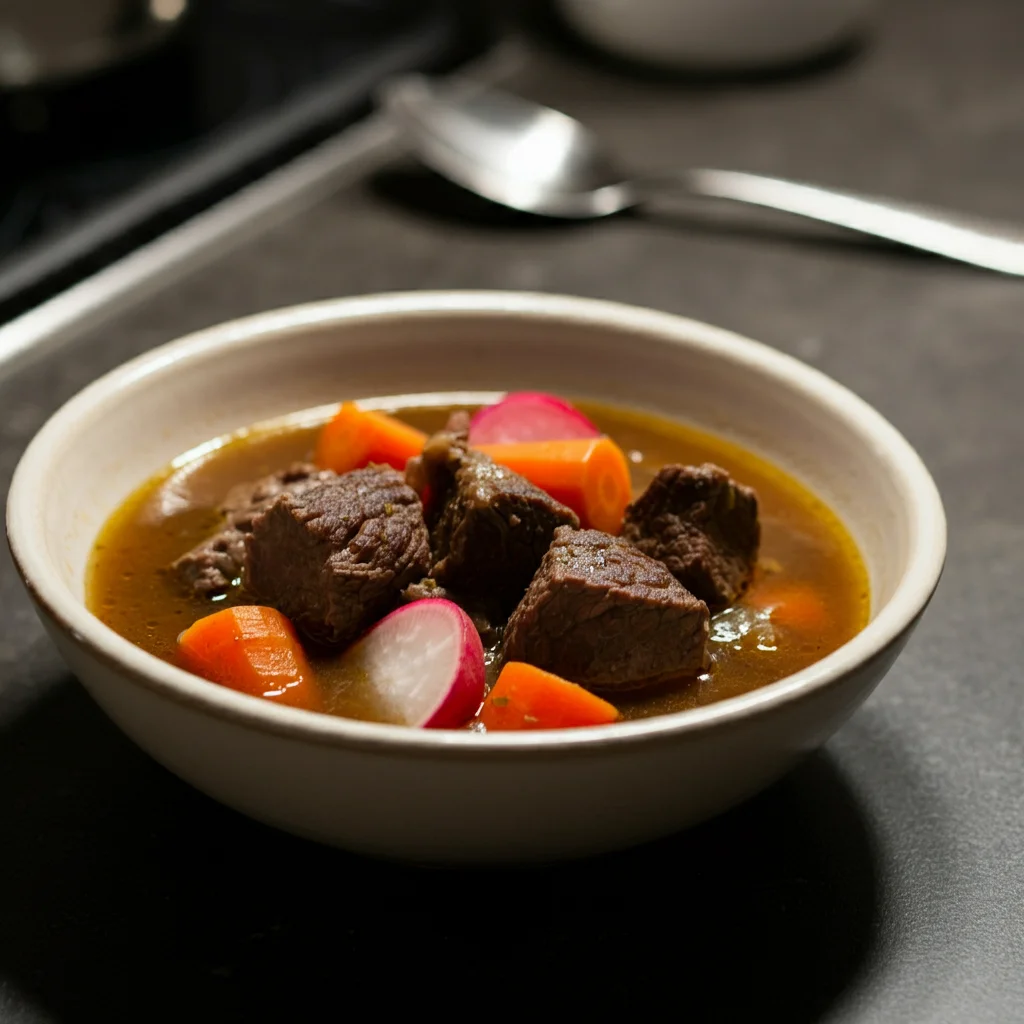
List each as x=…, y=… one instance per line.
x=94, y=164
x=47, y=41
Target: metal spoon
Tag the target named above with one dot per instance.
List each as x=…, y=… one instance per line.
x=532, y=158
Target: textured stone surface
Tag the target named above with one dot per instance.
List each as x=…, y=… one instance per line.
x=882, y=881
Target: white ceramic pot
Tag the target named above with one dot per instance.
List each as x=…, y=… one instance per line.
x=717, y=35
x=434, y=795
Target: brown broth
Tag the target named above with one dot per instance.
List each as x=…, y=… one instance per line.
x=803, y=542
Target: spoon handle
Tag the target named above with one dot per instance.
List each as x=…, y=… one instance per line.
x=957, y=236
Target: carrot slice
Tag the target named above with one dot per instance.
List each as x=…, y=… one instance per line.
x=590, y=475
x=796, y=606
x=252, y=649
x=525, y=697
x=356, y=437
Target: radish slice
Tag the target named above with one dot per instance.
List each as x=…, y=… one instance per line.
x=529, y=416
x=425, y=665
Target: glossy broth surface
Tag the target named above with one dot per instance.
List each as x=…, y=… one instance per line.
x=804, y=545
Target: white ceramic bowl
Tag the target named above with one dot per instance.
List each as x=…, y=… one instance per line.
x=458, y=796
x=718, y=35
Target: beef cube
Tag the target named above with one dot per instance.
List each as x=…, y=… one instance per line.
x=243, y=501
x=216, y=563
x=336, y=557
x=703, y=526
x=490, y=527
x=604, y=615
x=458, y=424
x=426, y=590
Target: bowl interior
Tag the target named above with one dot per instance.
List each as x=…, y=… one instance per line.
x=132, y=423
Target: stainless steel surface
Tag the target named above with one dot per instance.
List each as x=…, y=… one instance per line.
x=538, y=160
x=47, y=40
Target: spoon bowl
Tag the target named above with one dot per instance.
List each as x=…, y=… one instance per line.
x=511, y=151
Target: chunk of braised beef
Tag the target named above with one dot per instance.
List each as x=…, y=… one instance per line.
x=482, y=617
x=431, y=474
x=458, y=424
x=336, y=557
x=604, y=615
x=489, y=527
x=213, y=566
x=216, y=564
x=703, y=526
x=243, y=501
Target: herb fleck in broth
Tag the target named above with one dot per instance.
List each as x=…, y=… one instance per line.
x=131, y=590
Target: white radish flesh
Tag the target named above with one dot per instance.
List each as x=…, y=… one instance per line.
x=424, y=664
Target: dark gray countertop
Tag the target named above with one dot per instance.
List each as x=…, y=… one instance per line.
x=882, y=881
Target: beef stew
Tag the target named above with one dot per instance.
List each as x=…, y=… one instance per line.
x=723, y=579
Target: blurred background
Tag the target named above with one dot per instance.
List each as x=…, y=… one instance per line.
x=121, y=118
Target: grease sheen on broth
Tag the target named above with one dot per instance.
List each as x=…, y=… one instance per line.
x=129, y=589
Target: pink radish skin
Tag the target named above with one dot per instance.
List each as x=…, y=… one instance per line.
x=425, y=664
x=529, y=416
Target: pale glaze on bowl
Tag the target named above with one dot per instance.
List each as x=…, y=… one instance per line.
x=718, y=35
x=432, y=795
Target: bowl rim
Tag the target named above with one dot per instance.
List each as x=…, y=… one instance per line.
x=69, y=613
